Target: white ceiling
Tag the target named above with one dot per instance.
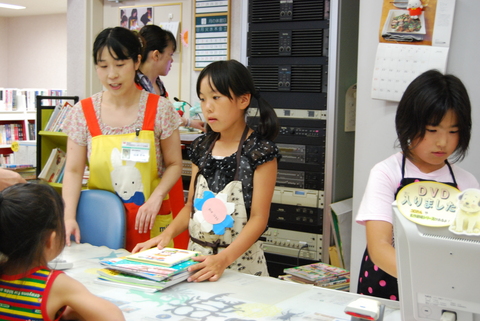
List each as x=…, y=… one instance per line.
x=34, y=7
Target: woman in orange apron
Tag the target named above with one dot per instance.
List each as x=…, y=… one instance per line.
x=130, y=139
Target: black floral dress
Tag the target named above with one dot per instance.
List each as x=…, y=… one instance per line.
x=223, y=178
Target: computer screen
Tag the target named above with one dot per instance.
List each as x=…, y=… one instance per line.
x=438, y=266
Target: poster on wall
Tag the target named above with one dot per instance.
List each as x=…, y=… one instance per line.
x=211, y=39
x=212, y=28
x=136, y=18
x=414, y=36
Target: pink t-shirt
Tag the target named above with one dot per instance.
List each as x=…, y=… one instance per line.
x=385, y=178
x=166, y=121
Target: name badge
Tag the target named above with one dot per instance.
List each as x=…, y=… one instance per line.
x=136, y=151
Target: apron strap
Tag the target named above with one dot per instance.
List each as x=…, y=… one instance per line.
x=94, y=127
x=150, y=112
x=91, y=117
x=215, y=245
x=239, y=150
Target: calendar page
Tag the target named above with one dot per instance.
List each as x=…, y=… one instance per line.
x=411, y=42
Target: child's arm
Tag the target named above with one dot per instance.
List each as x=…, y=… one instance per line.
x=72, y=185
x=9, y=178
x=172, y=158
x=178, y=225
x=379, y=244
x=212, y=267
x=67, y=291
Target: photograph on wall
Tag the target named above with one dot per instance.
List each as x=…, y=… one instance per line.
x=414, y=36
x=136, y=18
x=408, y=21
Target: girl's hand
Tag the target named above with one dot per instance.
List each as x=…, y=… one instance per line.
x=71, y=228
x=160, y=241
x=211, y=267
x=146, y=215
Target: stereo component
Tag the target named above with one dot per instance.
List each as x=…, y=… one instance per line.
x=293, y=243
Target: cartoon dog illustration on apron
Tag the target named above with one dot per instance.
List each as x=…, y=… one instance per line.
x=126, y=165
x=217, y=219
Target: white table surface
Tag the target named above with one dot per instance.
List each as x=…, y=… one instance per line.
x=236, y=296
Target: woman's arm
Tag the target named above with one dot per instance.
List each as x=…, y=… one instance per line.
x=379, y=244
x=172, y=158
x=213, y=266
x=178, y=225
x=72, y=185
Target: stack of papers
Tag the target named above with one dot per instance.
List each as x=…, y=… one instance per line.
x=319, y=274
x=151, y=270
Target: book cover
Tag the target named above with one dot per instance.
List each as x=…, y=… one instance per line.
x=53, y=166
x=166, y=257
x=147, y=270
x=53, y=117
x=317, y=271
x=57, y=126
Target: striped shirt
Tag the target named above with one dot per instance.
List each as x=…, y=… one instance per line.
x=25, y=298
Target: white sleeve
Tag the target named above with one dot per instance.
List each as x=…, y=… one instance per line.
x=380, y=193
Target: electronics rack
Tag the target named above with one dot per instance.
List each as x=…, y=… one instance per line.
x=295, y=56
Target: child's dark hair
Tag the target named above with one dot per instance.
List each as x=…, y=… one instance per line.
x=231, y=77
x=122, y=44
x=156, y=38
x=425, y=102
x=28, y=215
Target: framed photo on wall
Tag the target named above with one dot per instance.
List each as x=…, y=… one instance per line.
x=136, y=18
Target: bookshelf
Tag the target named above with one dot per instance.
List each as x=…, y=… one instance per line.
x=20, y=127
x=46, y=141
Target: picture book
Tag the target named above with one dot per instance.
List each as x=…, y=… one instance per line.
x=165, y=257
x=129, y=279
x=317, y=272
x=53, y=166
x=147, y=270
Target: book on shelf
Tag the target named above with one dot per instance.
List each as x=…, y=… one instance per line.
x=166, y=257
x=146, y=270
x=58, y=116
x=53, y=166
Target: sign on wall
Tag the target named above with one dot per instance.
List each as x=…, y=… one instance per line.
x=212, y=29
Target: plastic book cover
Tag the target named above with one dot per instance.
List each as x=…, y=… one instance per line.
x=147, y=270
x=165, y=257
x=317, y=271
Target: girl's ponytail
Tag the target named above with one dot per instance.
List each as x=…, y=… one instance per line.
x=268, y=126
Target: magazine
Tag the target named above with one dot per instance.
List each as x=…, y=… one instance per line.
x=147, y=270
x=165, y=257
x=316, y=272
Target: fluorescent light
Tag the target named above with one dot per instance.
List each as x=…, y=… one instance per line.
x=11, y=6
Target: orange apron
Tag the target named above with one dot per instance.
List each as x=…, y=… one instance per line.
x=132, y=181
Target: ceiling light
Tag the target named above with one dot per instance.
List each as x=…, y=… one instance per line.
x=11, y=6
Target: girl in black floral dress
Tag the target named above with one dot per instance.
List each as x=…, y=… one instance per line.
x=234, y=170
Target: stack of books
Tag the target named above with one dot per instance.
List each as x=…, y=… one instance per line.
x=151, y=270
x=319, y=274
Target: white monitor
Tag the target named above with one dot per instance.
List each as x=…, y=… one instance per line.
x=437, y=271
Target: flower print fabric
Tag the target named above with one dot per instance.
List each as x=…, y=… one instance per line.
x=219, y=172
